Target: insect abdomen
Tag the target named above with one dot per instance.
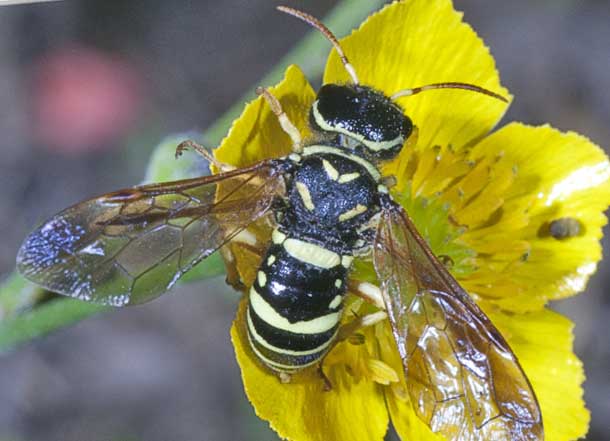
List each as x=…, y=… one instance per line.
x=295, y=304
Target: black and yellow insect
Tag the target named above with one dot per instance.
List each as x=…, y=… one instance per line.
x=329, y=204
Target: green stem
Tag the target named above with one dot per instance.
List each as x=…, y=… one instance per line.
x=23, y=317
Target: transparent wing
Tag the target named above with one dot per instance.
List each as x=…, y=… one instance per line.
x=462, y=377
x=132, y=245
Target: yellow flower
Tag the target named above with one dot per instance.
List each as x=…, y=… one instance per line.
x=493, y=205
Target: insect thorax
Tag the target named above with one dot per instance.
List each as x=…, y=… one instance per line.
x=331, y=195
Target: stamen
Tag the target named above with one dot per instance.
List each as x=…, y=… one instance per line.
x=381, y=372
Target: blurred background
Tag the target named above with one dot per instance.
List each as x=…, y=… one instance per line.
x=140, y=70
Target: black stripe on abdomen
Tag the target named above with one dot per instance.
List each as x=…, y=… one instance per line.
x=286, y=339
x=295, y=304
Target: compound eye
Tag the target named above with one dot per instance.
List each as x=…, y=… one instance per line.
x=361, y=113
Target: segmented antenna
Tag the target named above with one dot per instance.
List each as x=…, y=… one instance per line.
x=314, y=22
x=450, y=85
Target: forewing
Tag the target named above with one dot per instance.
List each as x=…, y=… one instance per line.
x=463, y=379
x=132, y=245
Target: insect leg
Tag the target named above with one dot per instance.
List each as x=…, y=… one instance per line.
x=327, y=384
x=371, y=294
x=368, y=292
x=348, y=331
x=190, y=144
x=287, y=125
x=233, y=279
x=246, y=240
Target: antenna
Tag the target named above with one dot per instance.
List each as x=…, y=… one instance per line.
x=314, y=22
x=451, y=85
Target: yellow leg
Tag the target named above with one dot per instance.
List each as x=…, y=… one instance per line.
x=349, y=332
x=368, y=292
x=287, y=125
x=189, y=144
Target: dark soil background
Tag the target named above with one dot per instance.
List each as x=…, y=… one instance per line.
x=166, y=370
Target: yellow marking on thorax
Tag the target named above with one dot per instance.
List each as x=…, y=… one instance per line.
x=348, y=177
x=331, y=171
x=315, y=149
x=346, y=261
x=278, y=237
x=294, y=157
x=305, y=196
x=358, y=209
x=311, y=253
x=314, y=326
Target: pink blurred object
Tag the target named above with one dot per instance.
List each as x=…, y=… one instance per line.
x=83, y=99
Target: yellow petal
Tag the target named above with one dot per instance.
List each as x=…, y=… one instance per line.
x=542, y=341
x=257, y=135
x=418, y=42
x=353, y=410
x=556, y=176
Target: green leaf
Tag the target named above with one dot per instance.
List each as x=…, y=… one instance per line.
x=17, y=295
x=44, y=318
